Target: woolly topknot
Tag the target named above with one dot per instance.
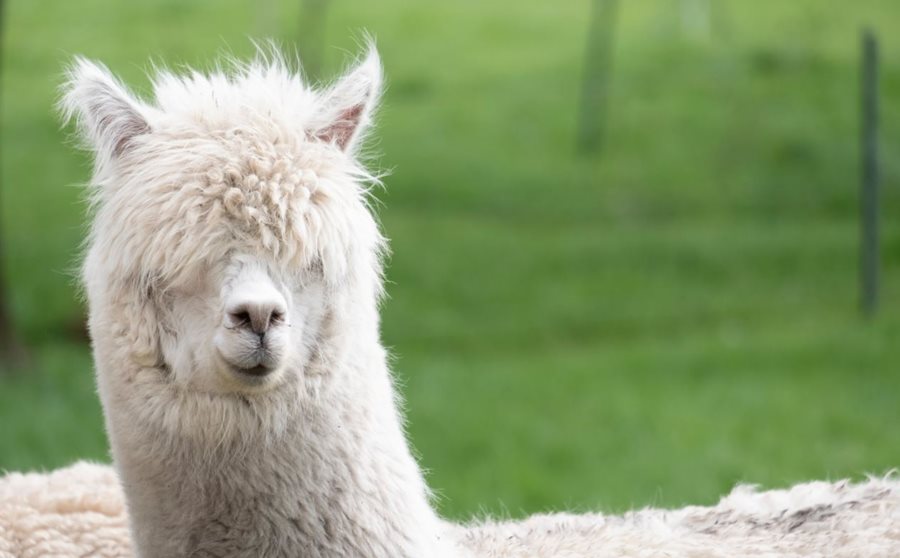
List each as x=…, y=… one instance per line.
x=250, y=159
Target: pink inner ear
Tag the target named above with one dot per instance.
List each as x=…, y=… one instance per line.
x=342, y=130
x=127, y=132
x=115, y=121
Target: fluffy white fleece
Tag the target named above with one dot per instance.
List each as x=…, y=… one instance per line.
x=79, y=511
x=76, y=511
x=814, y=519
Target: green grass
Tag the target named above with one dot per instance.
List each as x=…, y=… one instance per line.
x=645, y=327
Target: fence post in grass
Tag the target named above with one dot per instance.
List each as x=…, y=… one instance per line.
x=696, y=17
x=869, y=249
x=597, y=75
x=312, y=36
x=12, y=351
x=267, y=18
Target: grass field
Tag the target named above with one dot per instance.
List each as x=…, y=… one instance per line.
x=648, y=326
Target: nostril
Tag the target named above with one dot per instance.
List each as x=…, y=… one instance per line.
x=258, y=318
x=240, y=317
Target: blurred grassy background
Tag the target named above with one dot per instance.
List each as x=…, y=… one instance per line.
x=645, y=327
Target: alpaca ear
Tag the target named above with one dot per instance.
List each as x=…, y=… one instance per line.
x=347, y=107
x=107, y=115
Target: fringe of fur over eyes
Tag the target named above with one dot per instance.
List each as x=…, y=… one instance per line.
x=80, y=511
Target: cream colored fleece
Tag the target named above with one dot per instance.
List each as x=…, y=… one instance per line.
x=72, y=512
x=79, y=511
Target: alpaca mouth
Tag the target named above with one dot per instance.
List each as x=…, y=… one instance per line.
x=258, y=371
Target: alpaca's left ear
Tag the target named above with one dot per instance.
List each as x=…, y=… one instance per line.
x=108, y=116
x=347, y=107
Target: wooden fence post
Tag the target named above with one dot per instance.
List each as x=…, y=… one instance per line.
x=12, y=351
x=869, y=245
x=597, y=75
x=312, y=37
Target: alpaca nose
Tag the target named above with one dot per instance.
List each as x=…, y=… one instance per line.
x=258, y=316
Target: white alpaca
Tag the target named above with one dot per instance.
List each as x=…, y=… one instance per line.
x=233, y=276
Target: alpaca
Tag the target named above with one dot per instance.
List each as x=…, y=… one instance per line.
x=80, y=511
x=812, y=519
x=233, y=274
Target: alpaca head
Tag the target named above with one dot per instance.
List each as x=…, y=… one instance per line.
x=229, y=215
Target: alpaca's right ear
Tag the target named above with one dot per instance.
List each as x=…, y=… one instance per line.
x=108, y=117
x=347, y=106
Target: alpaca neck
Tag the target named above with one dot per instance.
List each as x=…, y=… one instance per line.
x=334, y=478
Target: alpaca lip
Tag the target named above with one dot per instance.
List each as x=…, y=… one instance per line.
x=257, y=371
